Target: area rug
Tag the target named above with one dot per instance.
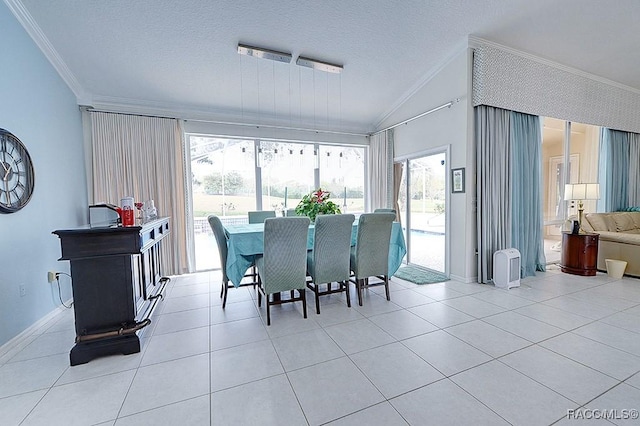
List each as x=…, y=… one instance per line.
x=419, y=276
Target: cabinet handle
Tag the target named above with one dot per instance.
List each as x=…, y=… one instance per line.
x=160, y=295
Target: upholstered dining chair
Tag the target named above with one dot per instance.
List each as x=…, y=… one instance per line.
x=370, y=256
x=328, y=262
x=221, y=240
x=261, y=215
x=290, y=213
x=385, y=211
x=283, y=265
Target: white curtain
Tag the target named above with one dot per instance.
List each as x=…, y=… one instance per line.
x=380, y=169
x=143, y=157
x=397, y=180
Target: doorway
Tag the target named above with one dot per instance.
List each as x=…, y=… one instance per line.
x=423, y=210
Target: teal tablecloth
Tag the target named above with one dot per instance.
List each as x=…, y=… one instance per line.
x=247, y=240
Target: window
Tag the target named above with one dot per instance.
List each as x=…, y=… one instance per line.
x=232, y=176
x=287, y=173
x=342, y=174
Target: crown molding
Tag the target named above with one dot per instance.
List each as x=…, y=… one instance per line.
x=31, y=27
x=457, y=50
x=477, y=42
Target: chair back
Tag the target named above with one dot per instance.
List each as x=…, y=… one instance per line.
x=261, y=215
x=291, y=213
x=331, y=248
x=385, y=211
x=372, y=244
x=285, y=254
x=221, y=239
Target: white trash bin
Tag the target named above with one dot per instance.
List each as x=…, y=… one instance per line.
x=615, y=268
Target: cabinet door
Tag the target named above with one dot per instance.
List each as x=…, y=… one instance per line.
x=138, y=286
x=147, y=273
x=590, y=256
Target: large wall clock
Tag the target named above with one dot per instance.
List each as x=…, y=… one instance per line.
x=16, y=173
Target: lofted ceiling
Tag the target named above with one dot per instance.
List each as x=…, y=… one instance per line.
x=179, y=58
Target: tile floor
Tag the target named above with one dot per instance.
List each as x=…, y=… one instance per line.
x=448, y=353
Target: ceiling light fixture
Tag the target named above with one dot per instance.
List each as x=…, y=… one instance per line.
x=259, y=52
x=318, y=65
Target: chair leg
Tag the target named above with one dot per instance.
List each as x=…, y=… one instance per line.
x=259, y=297
x=268, y=310
x=359, y=284
x=303, y=294
x=317, y=297
x=346, y=290
x=386, y=286
x=225, y=287
x=222, y=290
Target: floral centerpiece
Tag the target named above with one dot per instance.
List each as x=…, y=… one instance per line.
x=315, y=203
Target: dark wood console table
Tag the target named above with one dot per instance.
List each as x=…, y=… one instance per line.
x=579, y=253
x=117, y=281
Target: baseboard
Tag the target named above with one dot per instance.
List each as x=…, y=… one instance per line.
x=19, y=340
x=466, y=280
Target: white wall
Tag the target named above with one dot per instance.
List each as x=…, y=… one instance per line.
x=451, y=127
x=41, y=111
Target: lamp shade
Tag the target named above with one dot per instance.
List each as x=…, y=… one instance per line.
x=582, y=191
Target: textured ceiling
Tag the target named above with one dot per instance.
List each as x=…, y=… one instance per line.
x=180, y=56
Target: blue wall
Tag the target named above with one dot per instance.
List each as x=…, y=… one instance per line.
x=37, y=107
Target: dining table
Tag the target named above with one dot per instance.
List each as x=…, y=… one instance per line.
x=246, y=241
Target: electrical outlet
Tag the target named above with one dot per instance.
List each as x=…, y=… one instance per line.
x=23, y=290
x=51, y=276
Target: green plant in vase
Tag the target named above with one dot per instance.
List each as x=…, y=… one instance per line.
x=315, y=203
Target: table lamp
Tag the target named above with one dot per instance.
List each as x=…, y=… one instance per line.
x=580, y=192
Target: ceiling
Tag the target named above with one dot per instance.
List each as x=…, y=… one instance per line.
x=179, y=58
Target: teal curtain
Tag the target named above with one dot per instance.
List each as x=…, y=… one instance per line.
x=526, y=194
x=613, y=169
x=509, y=188
x=493, y=186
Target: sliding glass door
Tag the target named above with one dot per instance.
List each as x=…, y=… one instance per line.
x=223, y=183
x=423, y=210
x=569, y=155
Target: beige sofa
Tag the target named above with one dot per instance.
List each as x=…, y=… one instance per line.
x=619, y=238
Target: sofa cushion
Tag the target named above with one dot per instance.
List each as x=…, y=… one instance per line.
x=601, y=222
x=624, y=222
x=585, y=224
x=621, y=237
x=636, y=218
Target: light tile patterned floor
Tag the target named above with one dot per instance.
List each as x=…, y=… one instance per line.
x=447, y=353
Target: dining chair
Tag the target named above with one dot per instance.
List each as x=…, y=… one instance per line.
x=328, y=262
x=221, y=240
x=283, y=265
x=385, y=211
x=261, y=215
x=290, y=213
x=370, y=256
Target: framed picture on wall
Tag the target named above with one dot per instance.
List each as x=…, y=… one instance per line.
x=457, y=180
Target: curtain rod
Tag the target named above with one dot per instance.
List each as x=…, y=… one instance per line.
x=133, y=114
x=231, y=123
x=447, y=105
x=267, y=126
